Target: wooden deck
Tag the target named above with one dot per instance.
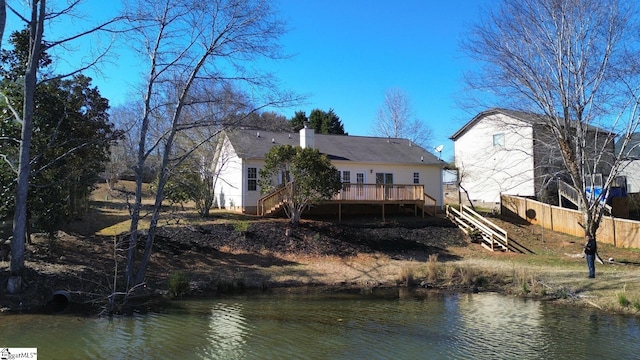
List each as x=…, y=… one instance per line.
x=353, y=194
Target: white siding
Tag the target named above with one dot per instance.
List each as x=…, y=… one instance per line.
x=486, y=170
x=228, y=189
x=231, y=186
x=250, y=198
x=632, y=172
x=430, y=175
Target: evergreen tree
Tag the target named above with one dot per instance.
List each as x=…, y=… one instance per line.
x=70, y=144
x=321, y=121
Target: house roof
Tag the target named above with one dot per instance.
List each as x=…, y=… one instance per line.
x=254, y=144
x=527, y=117
x=633, y=147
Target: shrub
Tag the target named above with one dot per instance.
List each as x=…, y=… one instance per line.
x=623, y=300
x=241, y=226
x=179, y=284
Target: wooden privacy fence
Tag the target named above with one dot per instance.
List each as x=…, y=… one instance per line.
x=618, y=232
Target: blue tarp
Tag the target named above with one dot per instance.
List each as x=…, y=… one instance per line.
x=614, y=192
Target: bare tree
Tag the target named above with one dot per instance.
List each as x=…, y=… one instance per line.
x=396, y=119
x=193, y=46
x=574, y=62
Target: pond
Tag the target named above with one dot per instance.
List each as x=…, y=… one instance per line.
x=397, y=324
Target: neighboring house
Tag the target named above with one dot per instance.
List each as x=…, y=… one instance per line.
x=510, y=152
x=449, y=177
x=631, y=167
x=398, y=164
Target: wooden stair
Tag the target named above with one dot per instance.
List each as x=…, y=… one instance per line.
x=567, y=192
x=480, y=230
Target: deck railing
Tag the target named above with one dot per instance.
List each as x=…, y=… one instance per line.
x=361, y=193
x=379, y=192
x=272, y=200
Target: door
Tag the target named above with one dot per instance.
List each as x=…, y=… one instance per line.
x=360, y=186
x=386, y=182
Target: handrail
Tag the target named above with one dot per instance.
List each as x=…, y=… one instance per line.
x=471, y=220
x=357, y=192
x=488, y=223
x=430, y=201
x=272, y=199
x=568, y=192
x=380, y=192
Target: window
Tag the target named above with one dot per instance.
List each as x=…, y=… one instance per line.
x=346, y=176
x=416, y=178
x=498, y=140
x=252, y=179
x=384, y=178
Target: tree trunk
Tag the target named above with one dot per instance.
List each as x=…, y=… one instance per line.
x=295, y=215
x=24, y=170
x=3, y=19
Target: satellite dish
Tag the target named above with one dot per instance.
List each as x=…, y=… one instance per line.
x=439, y=150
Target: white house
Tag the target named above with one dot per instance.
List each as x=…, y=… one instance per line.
x=631, y=167
x=512, y=152
x=398, y=164
x=493, y=153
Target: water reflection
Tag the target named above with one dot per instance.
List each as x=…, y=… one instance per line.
x=398, y=325
x=227, y=332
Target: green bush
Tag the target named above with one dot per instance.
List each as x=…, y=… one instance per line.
x=241, y=226
x=623, y=300
x=178, y=284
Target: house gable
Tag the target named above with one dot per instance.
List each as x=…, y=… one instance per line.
x=529, y=162
x=494, y=155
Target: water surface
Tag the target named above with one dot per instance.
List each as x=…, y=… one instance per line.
x=387, y=325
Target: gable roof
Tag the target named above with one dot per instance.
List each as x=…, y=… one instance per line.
x=633, y=147
x=254, y=144
x=527, y=117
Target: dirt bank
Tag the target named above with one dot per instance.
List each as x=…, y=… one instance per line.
x=232, y=252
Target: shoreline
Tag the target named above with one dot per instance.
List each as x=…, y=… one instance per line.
x=427, y=254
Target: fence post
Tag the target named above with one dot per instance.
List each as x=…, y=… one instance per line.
x=550, y=218
x=613, y=224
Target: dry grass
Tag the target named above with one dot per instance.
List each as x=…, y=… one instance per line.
x=552, y=270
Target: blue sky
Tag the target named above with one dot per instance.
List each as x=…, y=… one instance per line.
x=347, y=53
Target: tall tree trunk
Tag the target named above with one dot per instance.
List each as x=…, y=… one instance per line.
x=3, y=19
x=22, y=188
